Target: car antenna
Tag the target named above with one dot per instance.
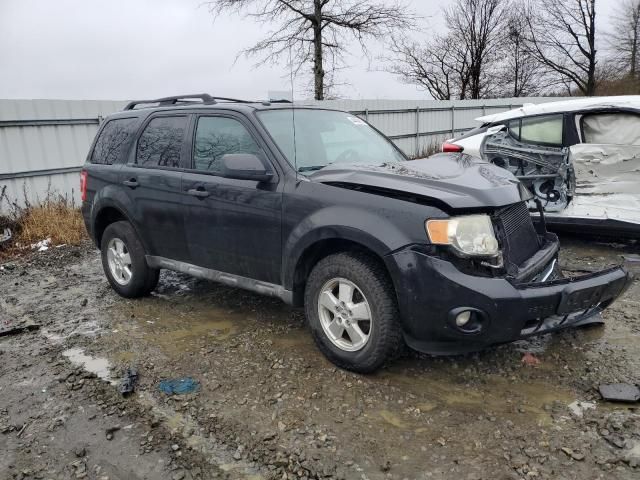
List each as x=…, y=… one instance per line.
x=293, y=114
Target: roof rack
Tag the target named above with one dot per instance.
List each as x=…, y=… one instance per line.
x=205, y=99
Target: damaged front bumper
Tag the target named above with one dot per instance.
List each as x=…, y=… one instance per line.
x=432, y=292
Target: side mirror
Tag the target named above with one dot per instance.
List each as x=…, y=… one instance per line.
x=245, y=166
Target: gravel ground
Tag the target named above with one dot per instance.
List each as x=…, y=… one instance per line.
x=270, y=406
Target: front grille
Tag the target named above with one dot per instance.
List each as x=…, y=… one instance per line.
x=517, y=233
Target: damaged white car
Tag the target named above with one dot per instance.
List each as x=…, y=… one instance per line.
x=579, y=158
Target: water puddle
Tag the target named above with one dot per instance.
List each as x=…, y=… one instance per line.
x=98, y=366
x=177, y=328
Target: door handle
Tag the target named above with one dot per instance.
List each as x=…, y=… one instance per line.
x=198, y=192
x=132, y=182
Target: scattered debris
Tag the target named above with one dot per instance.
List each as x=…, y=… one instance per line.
x=110, y=431
x=17, y=329
x=179, y=386
x=573, y=454
x=6, y=235
x=128, y=381
x=22, y=429
x=42, y=245
x=620, y=392
x=530, y=360
x=578, y=407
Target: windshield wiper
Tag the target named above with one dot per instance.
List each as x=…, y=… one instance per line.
x=312, y=168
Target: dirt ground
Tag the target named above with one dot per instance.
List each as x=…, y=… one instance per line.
x=270, y=406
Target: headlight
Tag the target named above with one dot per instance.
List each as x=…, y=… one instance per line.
x=470, y=235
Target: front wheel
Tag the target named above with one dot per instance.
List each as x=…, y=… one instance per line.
x=124, y=263
x=352, y=311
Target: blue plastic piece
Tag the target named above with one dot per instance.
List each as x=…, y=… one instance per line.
x=179, y=386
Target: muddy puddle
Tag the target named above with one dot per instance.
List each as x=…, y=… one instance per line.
x=101, y=367
x=177, y=328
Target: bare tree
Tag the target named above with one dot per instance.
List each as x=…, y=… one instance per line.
x=562, y=37
x=317, y=31
x=440, y=66
x=479, y=26
x=520, y=73
x=461, y=63
x=624, y=39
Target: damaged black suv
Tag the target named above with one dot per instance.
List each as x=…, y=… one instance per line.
x=320, y=209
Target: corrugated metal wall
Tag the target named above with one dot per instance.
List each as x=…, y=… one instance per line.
x=43, y=143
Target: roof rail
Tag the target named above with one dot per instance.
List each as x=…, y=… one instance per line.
x=204, y=98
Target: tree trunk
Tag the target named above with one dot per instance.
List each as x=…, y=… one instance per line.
x=634, y=44
x=318, y=70
x=591, y=80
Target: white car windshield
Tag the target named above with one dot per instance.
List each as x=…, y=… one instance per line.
x=325, y=137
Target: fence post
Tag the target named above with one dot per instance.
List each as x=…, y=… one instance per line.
x=366, y=114
x=453, y=120
x=417, y=131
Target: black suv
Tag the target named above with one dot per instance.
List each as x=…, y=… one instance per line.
x=318, y=208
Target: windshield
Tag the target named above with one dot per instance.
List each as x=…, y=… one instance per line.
x=325, y=137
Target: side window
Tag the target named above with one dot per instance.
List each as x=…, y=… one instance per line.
x=514, y=128
x=546, y=129
x=618, y=128
x=113, y=141
x=218, y=136
x=161, y=142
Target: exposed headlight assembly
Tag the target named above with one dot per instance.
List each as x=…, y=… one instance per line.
x=470, y=235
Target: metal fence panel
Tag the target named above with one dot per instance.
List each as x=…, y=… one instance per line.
x=43, y=143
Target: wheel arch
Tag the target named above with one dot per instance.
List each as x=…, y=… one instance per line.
x=321, y=245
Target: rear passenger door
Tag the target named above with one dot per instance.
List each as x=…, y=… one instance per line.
x=152, y=180
x=232, y=225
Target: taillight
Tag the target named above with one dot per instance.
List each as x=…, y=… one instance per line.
x=451, y=148
x=83, y=185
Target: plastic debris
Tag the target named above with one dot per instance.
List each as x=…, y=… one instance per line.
x=620, y=392
x=179, y=386
x=5, y=235
x=128, y=381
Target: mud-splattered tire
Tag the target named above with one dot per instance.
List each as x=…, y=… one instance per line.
x=343, y=289
x=123, y=261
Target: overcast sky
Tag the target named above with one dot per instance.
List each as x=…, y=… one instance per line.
x=123, y=49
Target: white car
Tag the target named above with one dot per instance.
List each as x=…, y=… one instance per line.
x=580, y=158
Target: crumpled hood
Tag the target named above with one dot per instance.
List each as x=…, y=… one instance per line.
x=459, y=180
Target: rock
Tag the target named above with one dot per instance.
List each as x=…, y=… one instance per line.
x=179, y=475
x=80, y=452
x=175, y=447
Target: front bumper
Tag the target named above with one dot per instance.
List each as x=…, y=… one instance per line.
x=430, y=288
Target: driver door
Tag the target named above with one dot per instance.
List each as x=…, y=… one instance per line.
x=232, y=226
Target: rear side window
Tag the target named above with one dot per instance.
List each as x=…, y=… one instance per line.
x=218, y=136
x=619, y=128
x=160, y=144
x=113, y=141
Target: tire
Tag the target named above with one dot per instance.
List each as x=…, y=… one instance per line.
x=137, y=280
x=371, y=285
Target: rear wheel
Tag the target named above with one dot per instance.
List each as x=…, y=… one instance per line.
x=351, y=308
x=124, y=263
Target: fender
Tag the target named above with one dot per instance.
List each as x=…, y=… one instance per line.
x=327, y=224
x=112, y=196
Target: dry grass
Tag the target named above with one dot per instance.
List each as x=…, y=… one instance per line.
x=56, y=218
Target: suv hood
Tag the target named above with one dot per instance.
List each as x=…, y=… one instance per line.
x=458, y=180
